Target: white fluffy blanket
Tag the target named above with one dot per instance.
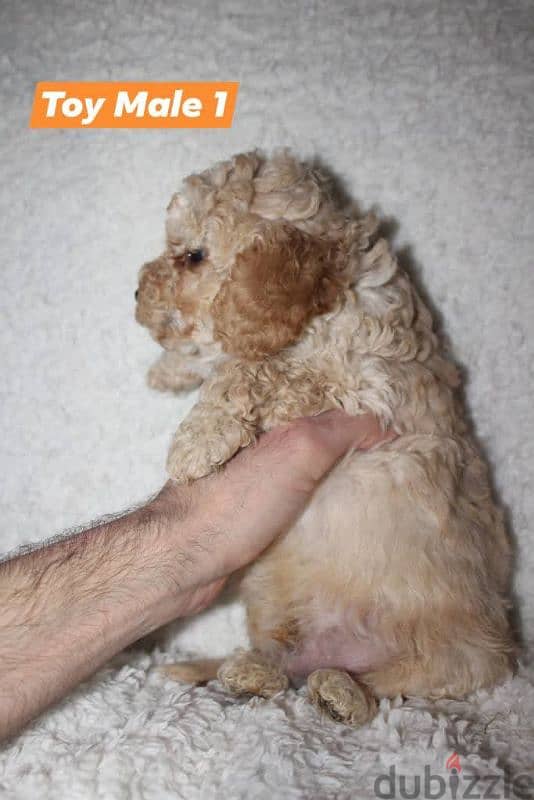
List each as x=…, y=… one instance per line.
x=424, y=108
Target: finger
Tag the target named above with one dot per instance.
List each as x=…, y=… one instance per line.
x=378, y=438
x=346, y=431
x=309, y=447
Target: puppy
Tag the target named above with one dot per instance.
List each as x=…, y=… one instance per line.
x=281, y=303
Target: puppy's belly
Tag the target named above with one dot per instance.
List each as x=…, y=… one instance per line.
x=335, y=647
x=363, y=562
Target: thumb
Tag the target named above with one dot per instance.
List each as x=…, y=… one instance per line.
x=316, y=443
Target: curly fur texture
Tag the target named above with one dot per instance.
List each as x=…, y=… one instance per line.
x=398, y=572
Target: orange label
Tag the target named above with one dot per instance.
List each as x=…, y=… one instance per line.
x=113, y=104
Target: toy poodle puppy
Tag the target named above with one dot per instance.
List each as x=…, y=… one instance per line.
x=280, y=302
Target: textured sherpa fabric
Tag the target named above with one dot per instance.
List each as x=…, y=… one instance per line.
x=423, y=108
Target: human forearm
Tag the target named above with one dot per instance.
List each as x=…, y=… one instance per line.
x=69, y=607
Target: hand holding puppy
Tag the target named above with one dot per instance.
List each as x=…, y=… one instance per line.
x=236, y=513
x=73, y=604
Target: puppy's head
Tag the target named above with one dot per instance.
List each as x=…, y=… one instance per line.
x=255, y=249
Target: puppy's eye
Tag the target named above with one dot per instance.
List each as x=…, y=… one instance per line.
x=195, y=256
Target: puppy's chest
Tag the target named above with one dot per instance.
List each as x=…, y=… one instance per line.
x=285, y=391
x=289, y=403
x=410, y=395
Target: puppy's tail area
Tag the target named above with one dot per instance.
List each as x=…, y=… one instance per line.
x=197, y=672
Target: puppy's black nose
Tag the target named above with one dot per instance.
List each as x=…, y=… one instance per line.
x=136, y=294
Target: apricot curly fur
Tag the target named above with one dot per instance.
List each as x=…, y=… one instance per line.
x=398, y=573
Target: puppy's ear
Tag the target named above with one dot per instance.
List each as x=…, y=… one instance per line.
x=275, y=287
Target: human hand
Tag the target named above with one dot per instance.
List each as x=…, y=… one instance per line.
x=71, y=605
x=224, y=521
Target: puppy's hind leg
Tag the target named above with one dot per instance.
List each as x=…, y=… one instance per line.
x=245, y=672
x=250, y=672
x=342, y=698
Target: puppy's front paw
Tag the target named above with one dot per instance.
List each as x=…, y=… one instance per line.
x=199, y=447
x=190, y=459
x=163, y=379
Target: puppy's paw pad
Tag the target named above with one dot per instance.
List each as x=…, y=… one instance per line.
x=344, y=700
